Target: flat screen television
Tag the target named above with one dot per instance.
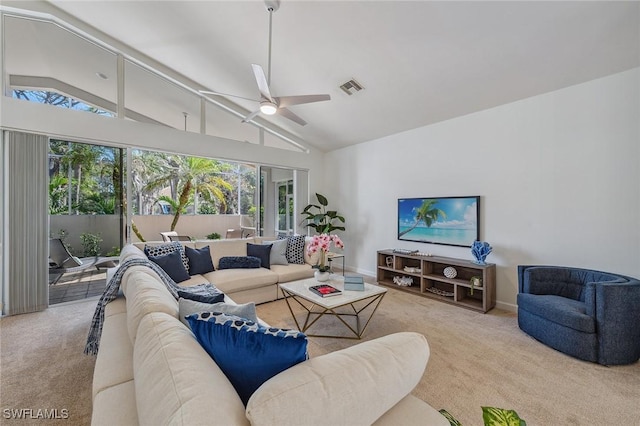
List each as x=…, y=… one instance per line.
x=452, y=221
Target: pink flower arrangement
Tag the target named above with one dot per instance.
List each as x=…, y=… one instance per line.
x=322, y=243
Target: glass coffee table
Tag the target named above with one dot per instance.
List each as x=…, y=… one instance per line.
x=348, y=304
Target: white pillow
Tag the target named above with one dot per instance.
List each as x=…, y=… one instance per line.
x=278, y=252
x=353, y=386
x=188, y=307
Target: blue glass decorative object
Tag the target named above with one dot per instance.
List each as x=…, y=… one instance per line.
x=480, y=250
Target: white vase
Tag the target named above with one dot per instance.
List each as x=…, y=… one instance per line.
x=321, y=276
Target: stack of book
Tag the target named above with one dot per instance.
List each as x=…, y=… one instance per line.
x=354, y=282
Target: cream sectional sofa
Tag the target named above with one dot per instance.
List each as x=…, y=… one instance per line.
x=244, y=285
x=151, y=370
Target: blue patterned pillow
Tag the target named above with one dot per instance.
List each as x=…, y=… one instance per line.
x=248, y=353
x=295, y=248
x=238, y=262
x=164, y=249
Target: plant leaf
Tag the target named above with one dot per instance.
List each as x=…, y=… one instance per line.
x=322, y=200
x=452, y=420
x=493, y=416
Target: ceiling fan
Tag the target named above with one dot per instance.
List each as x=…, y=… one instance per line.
x=269, y=104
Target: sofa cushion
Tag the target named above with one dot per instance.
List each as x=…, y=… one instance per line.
x=292, y=272
x=114, y=363
x=295, y=249
x=166, y=248
x=248, y=353
x=262, y=252
x=239, y=262
x=411, y=411
x=352, y=386
x=172, y=264
x=222, y=248
x=130, y=251
x=561, y=310
x=232, y=280
x=199, y=260
x=176, y=382
x=145, y=294
x=188, y=307
x=278, y=255
x=115, y=406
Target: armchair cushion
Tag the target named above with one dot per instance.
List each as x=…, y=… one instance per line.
x=561, y=310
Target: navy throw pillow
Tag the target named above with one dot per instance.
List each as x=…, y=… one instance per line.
x=172, y=264
x=199, y=260
x=238, y=262
x=202, y=298
x=248, y=353
x=261, y=252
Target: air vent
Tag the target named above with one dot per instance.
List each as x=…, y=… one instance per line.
x=351, y=86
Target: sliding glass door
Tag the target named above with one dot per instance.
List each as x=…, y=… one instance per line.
x=86, y=213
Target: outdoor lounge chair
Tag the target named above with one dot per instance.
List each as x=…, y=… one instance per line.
x=61, y=261
x=165, y=235
x=179, y=238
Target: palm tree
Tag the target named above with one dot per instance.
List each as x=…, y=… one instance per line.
x=189, y=178
x=426, y=213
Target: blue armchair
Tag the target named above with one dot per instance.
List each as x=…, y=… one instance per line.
x=591, y=315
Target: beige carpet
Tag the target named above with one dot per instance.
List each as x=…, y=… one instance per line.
x=42, y=366
x=484, y=359
x=475, y=360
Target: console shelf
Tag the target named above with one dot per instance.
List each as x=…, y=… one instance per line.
x=429, y=280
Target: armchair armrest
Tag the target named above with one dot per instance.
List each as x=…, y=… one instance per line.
x=353, y=386
x=618, y=321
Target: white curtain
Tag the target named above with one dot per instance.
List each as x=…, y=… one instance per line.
x=26, y=226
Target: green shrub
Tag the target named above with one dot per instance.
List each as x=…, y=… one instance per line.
x=213, y=236
x=90, y=244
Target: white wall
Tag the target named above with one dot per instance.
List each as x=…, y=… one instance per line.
x=558, y=175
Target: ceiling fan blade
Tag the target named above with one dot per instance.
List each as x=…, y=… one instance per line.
x=285, y=101
x=251, y=116
x=291, y=116
x=207, y=92
x=263, y=86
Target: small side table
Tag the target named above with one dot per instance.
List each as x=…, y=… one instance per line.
x=331, y=256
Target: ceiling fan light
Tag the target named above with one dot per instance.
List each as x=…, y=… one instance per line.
x=268, y=108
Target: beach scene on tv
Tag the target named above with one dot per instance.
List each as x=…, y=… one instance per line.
x=448, y=220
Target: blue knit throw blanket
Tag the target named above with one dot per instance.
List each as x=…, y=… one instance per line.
x=111, y=292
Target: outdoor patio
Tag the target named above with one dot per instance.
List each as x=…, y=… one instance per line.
x=78, y=285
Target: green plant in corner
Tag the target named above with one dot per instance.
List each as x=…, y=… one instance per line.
x=213, y=236
x=319, y=218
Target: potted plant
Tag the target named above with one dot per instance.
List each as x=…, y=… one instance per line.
x=322, y=243
x=319, y=218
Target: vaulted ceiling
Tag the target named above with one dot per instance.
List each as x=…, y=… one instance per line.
x=420, y=62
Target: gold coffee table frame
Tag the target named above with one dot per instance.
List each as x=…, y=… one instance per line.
x=318, y=307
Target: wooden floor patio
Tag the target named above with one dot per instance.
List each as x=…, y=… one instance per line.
x=78, y=285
